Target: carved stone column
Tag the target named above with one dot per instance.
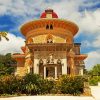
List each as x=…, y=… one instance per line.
x=28, y=60
x=71, y=61
x=72, y=66
x=28, y=63
x=55, y=72
x=44, y=72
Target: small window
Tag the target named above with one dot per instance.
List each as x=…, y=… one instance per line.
x=47, y=27
x=51, y=27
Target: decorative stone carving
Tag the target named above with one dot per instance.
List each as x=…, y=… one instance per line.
x=58, y=61
x=40, y=62
x=49, y=38
x=51, y=58
x=71, y=53
x=71, y=61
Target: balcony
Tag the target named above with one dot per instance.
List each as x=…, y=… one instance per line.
x=49, y=46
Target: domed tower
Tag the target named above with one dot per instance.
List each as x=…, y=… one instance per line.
x=49, y=48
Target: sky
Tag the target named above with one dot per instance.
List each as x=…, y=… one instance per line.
x=85, y=13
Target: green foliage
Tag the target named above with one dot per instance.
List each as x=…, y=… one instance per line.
x=33, y=84
x=72, y=85
x=94, y=80
x=6, y=64
x=47, y=86
x=96, y=70
x=10, y=84
x=31, y=88
x=4, y=34
x=94, y=75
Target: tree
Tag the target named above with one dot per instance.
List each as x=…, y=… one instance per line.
x=4, y=34
x=7, y=64
x=96, y=70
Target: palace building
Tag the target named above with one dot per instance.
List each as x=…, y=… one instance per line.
x=49, y=48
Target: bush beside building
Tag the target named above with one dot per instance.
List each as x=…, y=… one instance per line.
x=33, y=84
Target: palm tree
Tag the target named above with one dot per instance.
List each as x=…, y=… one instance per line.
x=4, y=34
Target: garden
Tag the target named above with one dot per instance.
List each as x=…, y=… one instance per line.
x=33, y=84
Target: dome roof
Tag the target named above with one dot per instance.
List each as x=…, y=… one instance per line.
x=50, y=11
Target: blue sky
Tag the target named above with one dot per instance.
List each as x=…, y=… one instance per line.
x=85, y=13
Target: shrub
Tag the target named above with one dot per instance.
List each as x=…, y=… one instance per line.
x=33, y=84
x=31, y=88
x=47, y=86
x=10, y=84
x=71, y=85
x=94, y=80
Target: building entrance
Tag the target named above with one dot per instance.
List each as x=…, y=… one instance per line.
x=50, y=72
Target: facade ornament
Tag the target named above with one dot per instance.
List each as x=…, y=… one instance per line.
x=58, y=61
x=40, y=62
x=50, y=59
x=49, y=38
x=71, y=53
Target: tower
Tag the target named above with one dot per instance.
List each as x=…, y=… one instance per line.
x=49, y=49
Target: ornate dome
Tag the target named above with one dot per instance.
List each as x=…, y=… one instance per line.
x=49, y=11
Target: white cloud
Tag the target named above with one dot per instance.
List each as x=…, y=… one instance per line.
x=85, y=44
x=96, y=42
x=93, y=59
x=19, y=7
x=88, y=21
x=12, y=46
x=65, y=9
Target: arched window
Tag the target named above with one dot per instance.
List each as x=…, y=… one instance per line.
x=51, y=27
x=47, y=26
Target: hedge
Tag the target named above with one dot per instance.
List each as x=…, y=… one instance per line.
x=33, y=84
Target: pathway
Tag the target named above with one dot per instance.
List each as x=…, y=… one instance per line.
x=95, y=90
x=48, y=98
